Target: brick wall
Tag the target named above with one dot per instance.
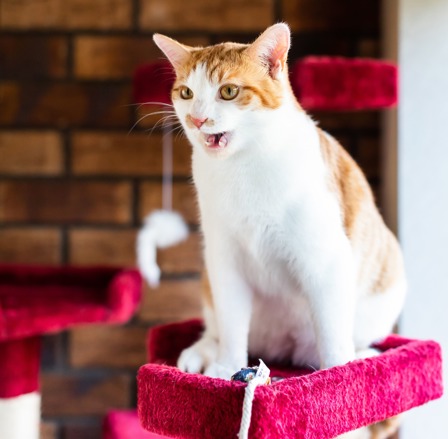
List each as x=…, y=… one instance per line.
x=75, y=183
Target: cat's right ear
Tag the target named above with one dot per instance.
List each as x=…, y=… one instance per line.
x=176, y=53
x=272, y=47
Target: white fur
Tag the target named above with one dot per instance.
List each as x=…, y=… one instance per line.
x=20, y=417
x=161, y=229
x=281, y=268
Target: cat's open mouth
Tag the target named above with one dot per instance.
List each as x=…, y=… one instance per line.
x=218, y=140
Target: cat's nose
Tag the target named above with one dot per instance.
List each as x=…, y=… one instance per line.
x=198, y=122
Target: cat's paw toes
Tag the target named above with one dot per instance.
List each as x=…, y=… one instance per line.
x=338, y=357
x=198, y=357
x=216, y=370
x=367, y=353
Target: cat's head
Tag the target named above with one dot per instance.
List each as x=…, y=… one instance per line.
x=224, y=93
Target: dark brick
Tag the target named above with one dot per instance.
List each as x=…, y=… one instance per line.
x=183, y=199
x=65, y=14
x=216, y=16
x=325, y=15
x=304, y=44
x=104, y=57
x=172, y=301
x=31, y=152
x=30, y=245
x=63, y=201
x=115, y=153
x=368, y=154
x=90, y=430
x=9, y=102
x=89, y=394
x=105, y=247
x=26, y=57
x=48, y=430
x=117, y=247
x=65, y=104
x=185, y=257
x=111, y=347
x=348, y=121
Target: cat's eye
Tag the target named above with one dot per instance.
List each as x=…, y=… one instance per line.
x=185, y=92
x=229, y=91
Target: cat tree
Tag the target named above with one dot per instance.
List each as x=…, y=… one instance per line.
x=37, y=300
x=305, y=404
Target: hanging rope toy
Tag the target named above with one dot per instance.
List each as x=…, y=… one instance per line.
x=162, y=228
x=253, y=376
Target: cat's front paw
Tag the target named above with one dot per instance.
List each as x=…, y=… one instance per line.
x=217, y=370
x=337, y=357
x=198, y=357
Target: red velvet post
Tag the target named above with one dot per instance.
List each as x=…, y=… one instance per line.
x=307, y=404
x=19, y=366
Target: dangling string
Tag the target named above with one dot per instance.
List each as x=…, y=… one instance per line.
x=164, y=227
x=167, y=179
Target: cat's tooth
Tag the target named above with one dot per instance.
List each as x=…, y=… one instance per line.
x=223, y=141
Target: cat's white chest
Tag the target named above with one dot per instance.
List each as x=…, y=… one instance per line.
x=265, y=209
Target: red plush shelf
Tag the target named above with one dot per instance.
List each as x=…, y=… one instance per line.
x=320, y=83
x=344, y=84
x=38, y=300
x=307, y=404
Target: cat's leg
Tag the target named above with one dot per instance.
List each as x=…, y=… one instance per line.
x=232, y=299
x=334, y=330
x=204, y=352
x=377, y=312
x=329, y=285
x=222, y=349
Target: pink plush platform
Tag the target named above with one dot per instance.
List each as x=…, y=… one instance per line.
x=36, y=300
x=307, y=404
x=124, y=424
x=320, y=83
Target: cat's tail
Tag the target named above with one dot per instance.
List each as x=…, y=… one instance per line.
x=385, y=429
x=381, y=430
x=161, y=229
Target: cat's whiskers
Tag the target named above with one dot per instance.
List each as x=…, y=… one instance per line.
x=154, y=103
x=168, y=113
x=180, y=131
x=166, y=122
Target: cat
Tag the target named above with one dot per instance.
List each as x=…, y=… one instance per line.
x=300, y=265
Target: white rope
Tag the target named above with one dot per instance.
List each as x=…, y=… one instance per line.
x=247, y=408
x=261, y=377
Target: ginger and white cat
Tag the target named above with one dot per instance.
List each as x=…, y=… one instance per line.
x=300, y=263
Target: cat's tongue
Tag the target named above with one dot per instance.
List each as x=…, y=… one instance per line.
x=216, y=140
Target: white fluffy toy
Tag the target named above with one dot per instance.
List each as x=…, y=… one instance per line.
x=161, y=229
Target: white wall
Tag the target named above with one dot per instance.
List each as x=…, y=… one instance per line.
x=422, y=186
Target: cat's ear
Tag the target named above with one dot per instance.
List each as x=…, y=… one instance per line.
x=272, y=47
x=176, y=53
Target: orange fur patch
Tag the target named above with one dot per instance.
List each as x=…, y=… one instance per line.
x=206, y=289
x=375, y=245
x=345, y=179
x=228, y=63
